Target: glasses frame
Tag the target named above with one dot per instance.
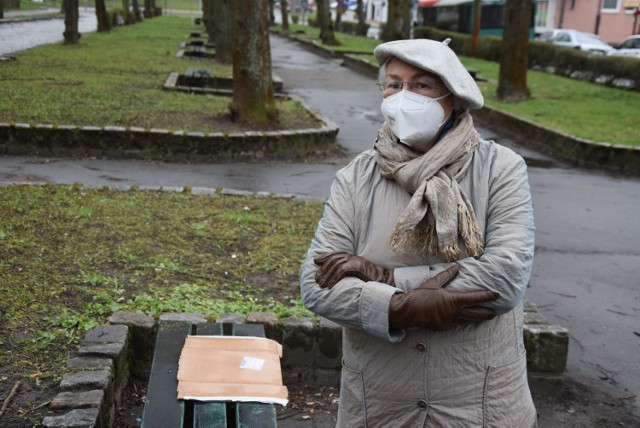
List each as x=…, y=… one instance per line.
x=430, y=91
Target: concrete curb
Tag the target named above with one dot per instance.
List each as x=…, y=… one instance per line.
x=580, y=151
x=161, y=144
x=312, y=354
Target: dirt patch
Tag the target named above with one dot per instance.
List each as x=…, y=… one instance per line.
x=316, y=406
x=310, y=405
x=580, y=406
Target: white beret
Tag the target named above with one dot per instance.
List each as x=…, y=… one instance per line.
x=437, y=58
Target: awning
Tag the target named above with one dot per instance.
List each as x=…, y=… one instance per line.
x=427, y=3
x=443, y=3
x=631, y=3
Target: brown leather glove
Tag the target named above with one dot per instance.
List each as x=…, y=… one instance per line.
x=338, y=265
x=436, y=308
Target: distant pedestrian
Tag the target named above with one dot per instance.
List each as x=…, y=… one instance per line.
x=423, y=255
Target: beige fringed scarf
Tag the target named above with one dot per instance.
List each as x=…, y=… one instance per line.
x=439, y=212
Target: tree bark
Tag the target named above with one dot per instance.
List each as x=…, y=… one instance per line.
x=137, y=16
x=71, y=14
x=253, y=100
x=327, y=35
x=398, y=24
x=340, y=8
x=514, y=53
x=272, y=16
x=223, y=30
x=128, y=20
x=284, y=6
x=209, y=20
x=148, y=8
x=475, y=31
x=361, y=29
x=1, y=9
x=102, y=17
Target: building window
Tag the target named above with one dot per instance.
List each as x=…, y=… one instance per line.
x=610, y=5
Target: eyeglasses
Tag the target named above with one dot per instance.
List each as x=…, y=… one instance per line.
x=423, y=88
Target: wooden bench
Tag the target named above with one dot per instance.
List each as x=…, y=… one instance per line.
x=164, y=410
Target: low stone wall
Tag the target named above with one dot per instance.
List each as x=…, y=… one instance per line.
x=578, y=150
x=23, y=139
x=312, y=354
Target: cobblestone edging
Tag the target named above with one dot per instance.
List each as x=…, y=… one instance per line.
x=578, y=150
x=20, y=139
x=312, y=353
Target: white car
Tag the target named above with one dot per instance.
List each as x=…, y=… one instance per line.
x=547, y=34
x=630, y=47
x=584, y=41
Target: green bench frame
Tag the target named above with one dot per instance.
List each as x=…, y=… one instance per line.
x=163, y=409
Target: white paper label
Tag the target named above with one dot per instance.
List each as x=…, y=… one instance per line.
x=252, y=363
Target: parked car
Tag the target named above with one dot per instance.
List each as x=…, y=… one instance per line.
x=584, y=41
x=547, y=35
x=630, y=47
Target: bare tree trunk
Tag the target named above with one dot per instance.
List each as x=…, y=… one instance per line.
x=272, y=16
x=253, y=99
x=102, y=17
x=1, y=9
x=340, y=8
x=209, y=21
x=514, y=52
x=223, y=29
x=398, y=24
x=137, y=16
x=71, y=34
x=148, y=9
x=361, y=30
x=127, y=15
x=327, y=36
x=475, y=32
x=284, y=5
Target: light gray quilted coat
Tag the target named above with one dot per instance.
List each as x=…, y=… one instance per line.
x=470, y=376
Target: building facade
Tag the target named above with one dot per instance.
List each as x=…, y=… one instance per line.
x=612, y=20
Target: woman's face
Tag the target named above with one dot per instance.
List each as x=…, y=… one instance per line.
x=400, y=75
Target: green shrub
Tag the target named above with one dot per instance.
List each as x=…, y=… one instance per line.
x=548, y=57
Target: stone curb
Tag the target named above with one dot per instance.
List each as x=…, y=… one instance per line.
x=312, y=354
x=583, y=152
x=161, y=144
x=203, y=191
x=580, y=151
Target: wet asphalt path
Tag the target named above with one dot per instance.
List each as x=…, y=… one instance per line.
x=585, y=275
x=19, y=36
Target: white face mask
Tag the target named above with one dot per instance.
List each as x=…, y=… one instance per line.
x=414, y=118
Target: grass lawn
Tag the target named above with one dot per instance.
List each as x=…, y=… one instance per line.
x=71, y=256
x=116, y=78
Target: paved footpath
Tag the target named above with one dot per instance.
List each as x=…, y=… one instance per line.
x=587, y=255
x=20, y=35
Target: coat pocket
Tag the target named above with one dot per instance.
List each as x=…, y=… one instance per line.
x=506, y=400
x=352, y=411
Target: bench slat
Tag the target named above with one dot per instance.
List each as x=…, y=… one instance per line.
x=250, y=415
x=253, y=414
x=162, y=408
x=209, y=414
